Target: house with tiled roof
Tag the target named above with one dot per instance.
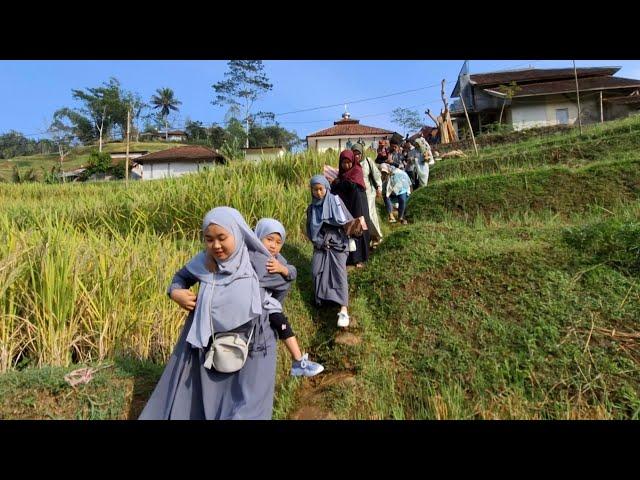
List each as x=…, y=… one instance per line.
x=543, y=97
x=166, y=135
x=175, y=162
x=344, y=133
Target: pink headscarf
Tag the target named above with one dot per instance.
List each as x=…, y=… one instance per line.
x=354, y=174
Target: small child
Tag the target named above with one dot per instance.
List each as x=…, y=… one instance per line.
x=277, y=280
x=396, y=188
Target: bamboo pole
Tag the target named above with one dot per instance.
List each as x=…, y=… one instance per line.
x=575, y=72
x=126, y=168
x=466, y=114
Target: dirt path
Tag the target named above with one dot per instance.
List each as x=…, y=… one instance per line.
x=311, y=401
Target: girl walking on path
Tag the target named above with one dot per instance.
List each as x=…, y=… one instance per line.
x=373, y=189
x=350, y=187
x=326, y=217
x=230, y=299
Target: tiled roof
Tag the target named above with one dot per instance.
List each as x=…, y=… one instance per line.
x=538, y=74
x=569, y=86
x=350, y=129
x=178, y=154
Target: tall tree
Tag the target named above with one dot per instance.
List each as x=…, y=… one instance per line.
x=164, y=101
x=103, y=106
x=245, y=83
x=195, y=131
x=273, y=136
x=216, y=135
x=62, y=135
x=82, y=127
x=137, y=107
x=409, y=120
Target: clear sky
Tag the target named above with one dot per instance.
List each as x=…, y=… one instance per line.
x=30, y=90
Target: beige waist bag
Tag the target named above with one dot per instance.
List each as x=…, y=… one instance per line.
x=228, y=352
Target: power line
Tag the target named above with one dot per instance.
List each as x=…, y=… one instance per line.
x=367, y=115
x=357, y=101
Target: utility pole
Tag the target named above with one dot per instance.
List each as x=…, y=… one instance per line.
x=247, y=141
x=575, y=72
x=126, y=168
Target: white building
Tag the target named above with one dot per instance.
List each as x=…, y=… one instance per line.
x=345, y=133
x=175, y=162
x=263, y=153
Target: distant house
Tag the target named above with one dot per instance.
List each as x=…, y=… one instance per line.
x=175, y=162
x=544, y=97
x=263, y=153
x=171, y=135
x=72, y=175
x=344, y=134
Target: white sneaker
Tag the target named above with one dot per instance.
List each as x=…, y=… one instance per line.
x=343, y=319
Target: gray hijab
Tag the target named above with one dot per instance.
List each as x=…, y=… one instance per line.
x=269, y=225
x=327, y=210
x=231, y=296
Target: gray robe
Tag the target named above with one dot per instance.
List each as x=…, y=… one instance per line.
x=188, y=391
x=275, y=283
x=329, y=265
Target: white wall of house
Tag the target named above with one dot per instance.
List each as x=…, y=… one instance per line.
x=339, y=143
x=267, y=155
x=528, y=115
x=155, y=171
x=544, y=111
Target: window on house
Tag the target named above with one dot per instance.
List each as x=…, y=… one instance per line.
x=562, y=116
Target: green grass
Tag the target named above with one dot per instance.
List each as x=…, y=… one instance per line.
x=558, y=188
x=474, y=323
x=527, y=157
x=118, y=391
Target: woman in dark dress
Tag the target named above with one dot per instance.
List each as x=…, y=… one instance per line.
x=350, y=187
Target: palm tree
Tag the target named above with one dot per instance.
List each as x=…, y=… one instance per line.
x=164, y=101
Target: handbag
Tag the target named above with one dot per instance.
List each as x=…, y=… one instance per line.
x=354, y=228
x=228, y=351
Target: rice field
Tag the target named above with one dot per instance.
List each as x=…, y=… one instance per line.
x=84, y=267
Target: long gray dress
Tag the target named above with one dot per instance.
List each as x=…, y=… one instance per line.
x=329, y=265
x=188, y=391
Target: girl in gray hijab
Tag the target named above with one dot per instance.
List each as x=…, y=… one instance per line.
x=326, y=216
x=277, y=276
x=230, y=298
